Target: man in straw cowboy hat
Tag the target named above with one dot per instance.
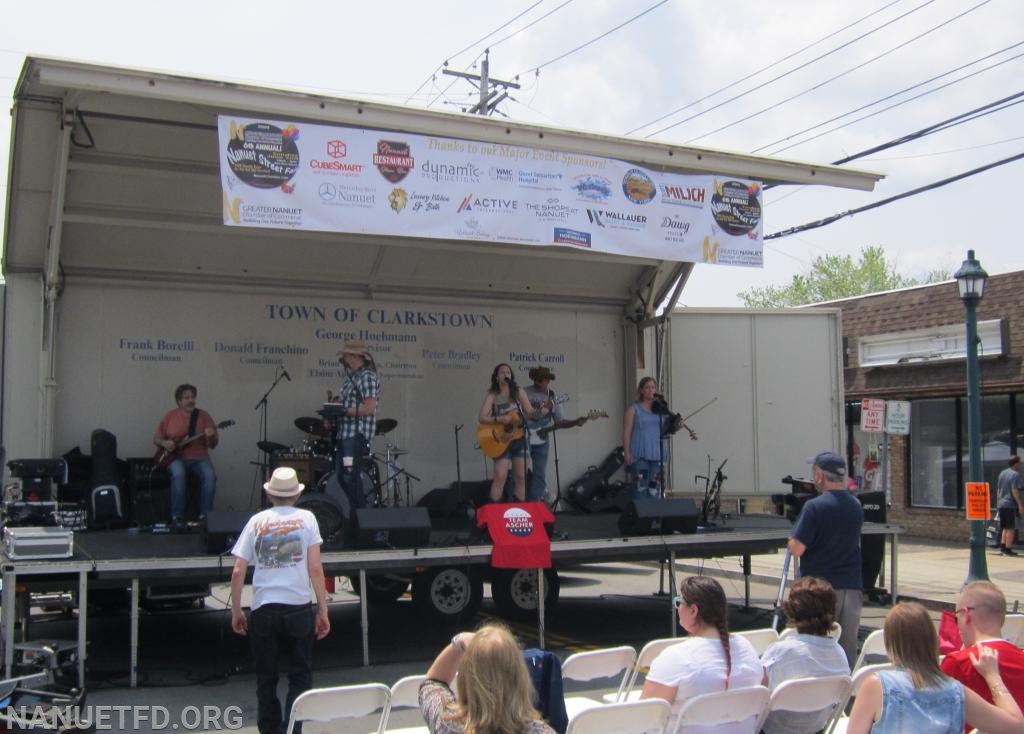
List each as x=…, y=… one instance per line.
x=355, y=428
x=283, y=544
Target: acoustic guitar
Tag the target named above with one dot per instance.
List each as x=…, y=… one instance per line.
x=163, y=457
x=494, y=438
x=542, y=433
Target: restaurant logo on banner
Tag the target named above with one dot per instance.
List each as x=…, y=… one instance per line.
x=318, y=178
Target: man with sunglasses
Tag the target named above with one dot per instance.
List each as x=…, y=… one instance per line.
x=980, y=613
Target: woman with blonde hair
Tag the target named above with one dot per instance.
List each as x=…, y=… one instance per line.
x=495, y=691
x=918, y=697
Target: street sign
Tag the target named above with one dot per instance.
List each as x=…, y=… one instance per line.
x=872, y=415
x=897, y=417
x=977, y=501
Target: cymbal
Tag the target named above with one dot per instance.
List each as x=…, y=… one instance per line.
x=271, y=447
x=386, y=425
x=313, y=426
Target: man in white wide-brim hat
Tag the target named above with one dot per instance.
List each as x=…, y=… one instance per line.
x=283, y=544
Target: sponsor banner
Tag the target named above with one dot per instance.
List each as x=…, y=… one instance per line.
x=291, y=175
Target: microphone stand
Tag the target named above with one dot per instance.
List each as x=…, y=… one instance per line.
x=262, y=431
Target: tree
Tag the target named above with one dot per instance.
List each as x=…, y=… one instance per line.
x=837, y=276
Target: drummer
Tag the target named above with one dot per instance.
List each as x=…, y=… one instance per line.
x=354, y=429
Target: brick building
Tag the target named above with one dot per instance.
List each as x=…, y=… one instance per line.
x=909, y=345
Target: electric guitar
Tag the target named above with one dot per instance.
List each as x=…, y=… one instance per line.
x=541, y=434
x=163, y=457
x=547, y=421
x=494, y=438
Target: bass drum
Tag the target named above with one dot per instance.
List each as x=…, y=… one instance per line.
x=330, y=486
x=329, y=511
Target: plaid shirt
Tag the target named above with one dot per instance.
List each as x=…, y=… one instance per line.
x=368, y=387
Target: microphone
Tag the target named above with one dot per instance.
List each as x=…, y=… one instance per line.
x=285, y=375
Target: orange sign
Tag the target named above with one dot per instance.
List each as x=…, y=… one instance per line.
x=978, y=506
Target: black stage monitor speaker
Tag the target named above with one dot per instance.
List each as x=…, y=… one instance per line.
x=223, y=528
x=398, y=527
x=656, y=517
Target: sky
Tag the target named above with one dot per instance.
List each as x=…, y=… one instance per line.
x=747, y=76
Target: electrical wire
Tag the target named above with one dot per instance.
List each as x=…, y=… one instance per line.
x=433, y=74
x=889, y=200
x=892, y=106
x=763, y=68
x=841, y=74
x=536, y=69
x=791, y=71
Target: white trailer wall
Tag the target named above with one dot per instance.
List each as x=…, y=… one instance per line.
x=123, y=349
x=777, y=377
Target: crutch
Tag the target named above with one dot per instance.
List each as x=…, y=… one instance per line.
x=782, y=589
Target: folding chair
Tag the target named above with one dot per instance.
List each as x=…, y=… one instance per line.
x=761, y=639
x=817, y=699
x=1013, y=628
x=840, y=719
x=633, y=717
x=583, y=667
x=341, y=702
x=739, y=705
x=405, y=693
x=874, y=646
x=630, y=692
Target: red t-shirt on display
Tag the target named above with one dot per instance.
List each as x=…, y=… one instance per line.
x=517, y=531
x=1011, y=667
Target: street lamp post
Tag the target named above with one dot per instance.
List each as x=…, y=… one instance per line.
x=971, y=280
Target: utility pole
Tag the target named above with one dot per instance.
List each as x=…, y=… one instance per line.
x=489, y=98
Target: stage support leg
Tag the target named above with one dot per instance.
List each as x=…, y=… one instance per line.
x=673, y=622
x=364, y=617
x=83, y=616
x=134, y=670
x=746, y=581
x=10, y=584
x=542, y=591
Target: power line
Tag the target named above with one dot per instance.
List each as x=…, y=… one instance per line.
x=841, y=74
x=537, y=68
x=791, y=71
x=906, y=194
x=766, y=68
x=892, y=106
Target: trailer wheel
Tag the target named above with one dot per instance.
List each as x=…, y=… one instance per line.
x=515, y=592
x=381, y=589
x=448, y=593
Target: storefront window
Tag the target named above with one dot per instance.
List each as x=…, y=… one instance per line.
x=933, y=453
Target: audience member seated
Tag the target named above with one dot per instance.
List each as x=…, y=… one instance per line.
x=709, y=660
x=918, y=697
x=980, y=613
x=810, y=653
x=495, y=689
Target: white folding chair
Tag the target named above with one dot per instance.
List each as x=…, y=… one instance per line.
x=1013, y=629
x=840, y=720
x=817, y=699
x=834, y=632
x=630, y=691
x=874, y=646
x=761, y=639
x=736, y=706
x=341, y=702
x=405, y=694
x=583, y=667
x=632, y=717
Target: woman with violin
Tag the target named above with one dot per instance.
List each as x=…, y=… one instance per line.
x=506, y=404
x=646, y=424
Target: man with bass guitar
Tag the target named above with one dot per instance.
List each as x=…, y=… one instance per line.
x=540, y=394
x=185, y=436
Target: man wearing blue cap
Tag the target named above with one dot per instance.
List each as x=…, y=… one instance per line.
x=826, y=539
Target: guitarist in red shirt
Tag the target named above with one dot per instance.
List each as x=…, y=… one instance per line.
x=185, y=436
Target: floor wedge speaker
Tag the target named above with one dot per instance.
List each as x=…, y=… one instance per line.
x=398, y=527
x=657, y=517
x=222, y=529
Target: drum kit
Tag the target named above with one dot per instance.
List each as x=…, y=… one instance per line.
x=380, y=473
